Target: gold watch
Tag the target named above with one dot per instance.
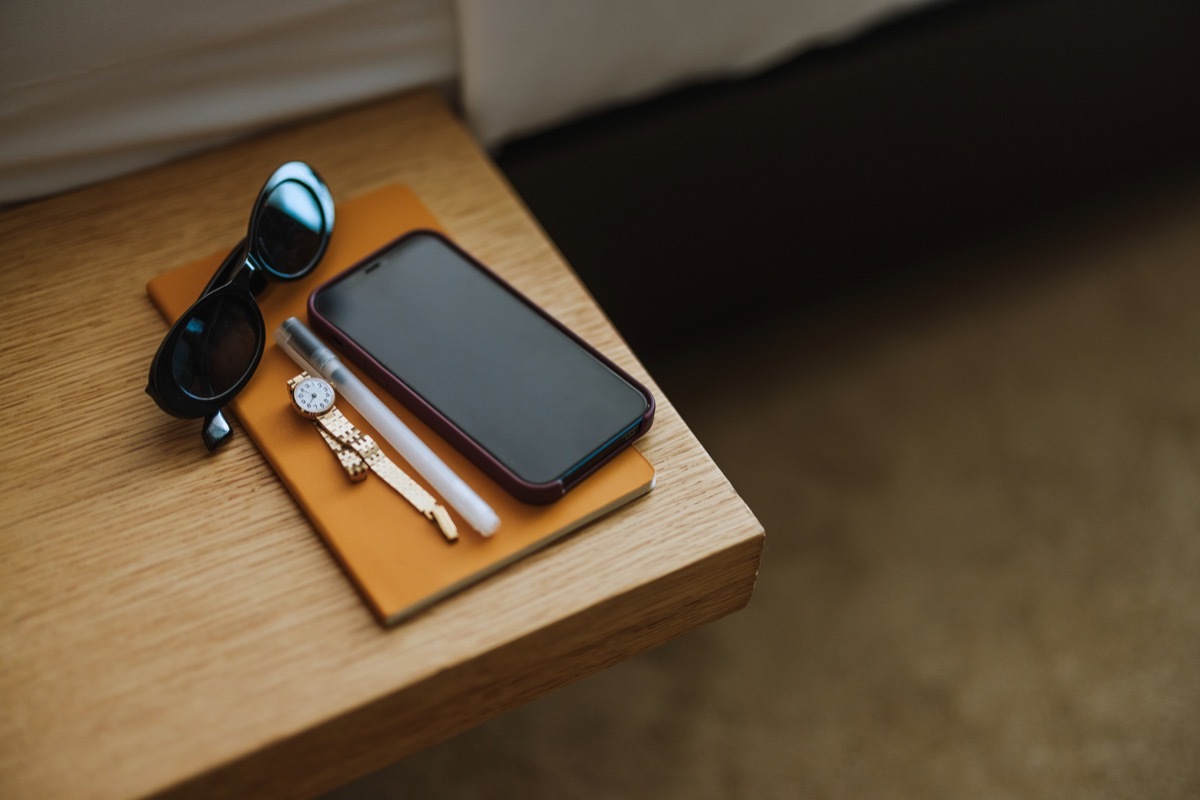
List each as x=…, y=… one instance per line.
x=313, y=398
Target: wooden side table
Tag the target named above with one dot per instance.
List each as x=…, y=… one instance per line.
x=169, y=621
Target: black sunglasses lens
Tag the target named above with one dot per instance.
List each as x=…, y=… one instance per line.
x=291, y=229
x=217, y=346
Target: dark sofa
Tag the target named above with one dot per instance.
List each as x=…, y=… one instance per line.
x=719, y=203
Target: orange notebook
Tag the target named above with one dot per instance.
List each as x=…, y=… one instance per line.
x=394, y=555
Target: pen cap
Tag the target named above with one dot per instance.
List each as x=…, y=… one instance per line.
x=303, y=346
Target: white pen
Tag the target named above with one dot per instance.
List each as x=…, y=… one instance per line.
x=311, y=353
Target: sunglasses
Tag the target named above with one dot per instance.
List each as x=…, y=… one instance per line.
x=211, y=352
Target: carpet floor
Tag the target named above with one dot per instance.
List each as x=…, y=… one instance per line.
x=980, y=481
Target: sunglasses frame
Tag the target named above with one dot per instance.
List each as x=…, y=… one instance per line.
x=243, y=274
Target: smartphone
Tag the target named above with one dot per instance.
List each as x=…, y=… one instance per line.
x=528, y=401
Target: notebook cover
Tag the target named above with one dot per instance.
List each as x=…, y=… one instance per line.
x=393, y=554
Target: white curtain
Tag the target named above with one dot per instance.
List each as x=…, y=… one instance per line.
x=89, y=89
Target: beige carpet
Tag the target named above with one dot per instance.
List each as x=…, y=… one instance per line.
x=980, y=481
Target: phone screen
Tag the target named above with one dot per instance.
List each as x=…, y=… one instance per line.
x=511, y=380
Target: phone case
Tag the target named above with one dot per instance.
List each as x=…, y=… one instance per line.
x=523, y=490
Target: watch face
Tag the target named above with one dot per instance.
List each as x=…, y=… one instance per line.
x=313, y=396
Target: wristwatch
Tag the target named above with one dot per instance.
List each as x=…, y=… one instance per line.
x=313, y=398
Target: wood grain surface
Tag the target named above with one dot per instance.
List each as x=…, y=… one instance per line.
x=169, y=621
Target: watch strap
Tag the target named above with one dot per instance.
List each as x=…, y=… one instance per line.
x=341, y=430
x=351, y=461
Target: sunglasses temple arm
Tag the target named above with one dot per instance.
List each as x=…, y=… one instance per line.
x=216, y=430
